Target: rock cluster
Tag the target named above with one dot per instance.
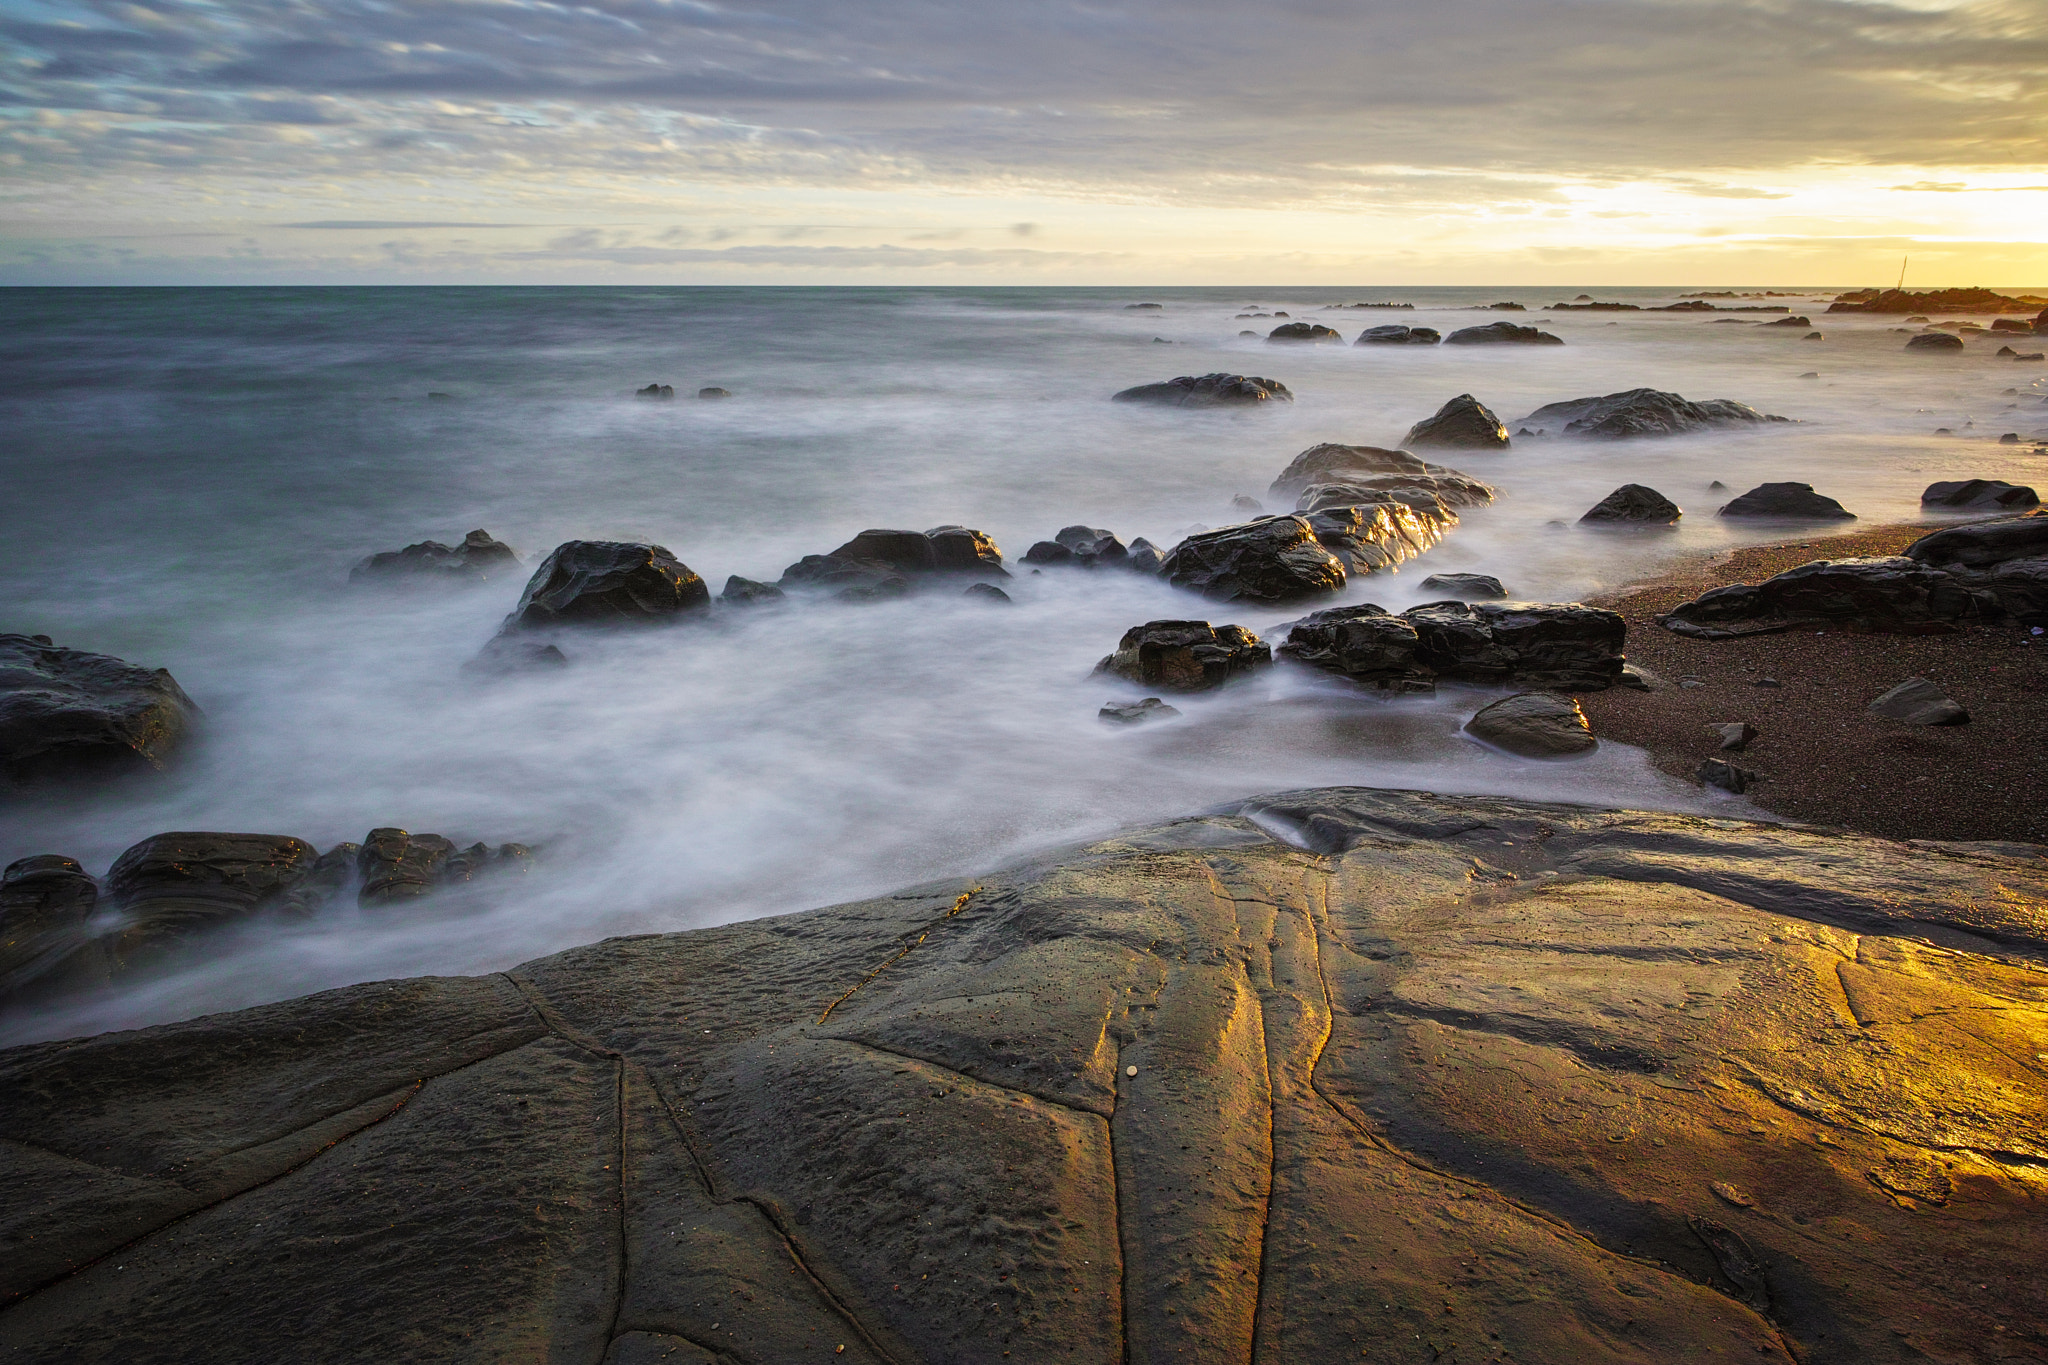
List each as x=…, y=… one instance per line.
x=1496, y=333
x=1564, y=646
x=1304, y=331
x=1643, y=412
x=1208, y=391
x=479, y=557
x=66, y=713
x=1089, y=547
x=1931, y=301
x=1464, y=423
x=1394, y=334
x=1185, y=656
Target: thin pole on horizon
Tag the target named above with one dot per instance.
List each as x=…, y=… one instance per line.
x=1902, y=270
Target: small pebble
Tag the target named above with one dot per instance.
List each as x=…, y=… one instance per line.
x=1130, y=1071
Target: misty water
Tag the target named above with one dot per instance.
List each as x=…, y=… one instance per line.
x=190, y=475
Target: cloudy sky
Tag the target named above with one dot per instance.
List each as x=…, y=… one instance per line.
x=1025, y=141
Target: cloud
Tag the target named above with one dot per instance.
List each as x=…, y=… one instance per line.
x=383, y=225
x=1958, y=187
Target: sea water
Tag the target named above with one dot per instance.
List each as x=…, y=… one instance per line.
x=190, y=475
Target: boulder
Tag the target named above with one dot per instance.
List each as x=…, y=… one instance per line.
x=1729, y=777
x=46, y=903
x=1394, y=334
x=1245, y=505
x=1534, y=725
x=1643, y=412
x=172, y=886
x=1370, y=467
x=713, y=391
x=65, y=713
x=1917, y=701
x=660, y=393
x=746, y=592
x=1735, y=736
x=1369, y=537
x=1464, y=423
x=1137, y=712
x=394, y=865
x=1795, y=501
x=331, y=877
x=1465, y=587
x=478, y=558
x=1795, y=321
x=1934, y=341
x=1559, y=645
x=1983, y=544
x=1208, y=391
x=1304, y=331
x=605, y=582
x=1272, y=559
x=1496, y=333
x=985, y=592
x=1145, y=557
x=1894, y=594
x=1979, y=495
x=1090, y=547
x=1633, y=504
x=783, y=1126
x=1186, y=656
x=872, y=557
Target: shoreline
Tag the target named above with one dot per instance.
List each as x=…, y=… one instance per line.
x=1824, y=759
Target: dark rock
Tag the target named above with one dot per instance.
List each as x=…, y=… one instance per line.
x=1393, y=334
x=1813, y=336
x=1208, y=391
x=1811, y=374
x=1644, y=412
x=1145, y=557
x=985, y=592
x=1560, y=645
x=1365, y=644
x=1767, y=682
x=1979, y=495
x=1133, y=307
x=1186, y=656
x=713, y=391
x=746, y=592
x=1934, y=341
x=884, y=588
x=504, y=655
x=876, y=555
x=1303, y=331
x=46, y=903
x=1788, y=322
x=1502, y=332
x=1161, y=341
x=1369, y=537
x=1729, y=777
x=1983, y=544
x=607, y=582
x=331, y=876
x=1246, y=506
x=1735, y=735
x=396, y=865
x=659, y=393
x=2011, y=325
x=1137, y=712
x=1917, y=701
x=1715, y=486
x=1048, y=552
x=65, y=713
x=1972, y=300
x=1465, y=587
x=1273, y=559
x=2010, y=438
x=1372, y=470
x=1887, y=594
x=1797, y=501
x=1464, y=423
x=1092, y=546
x=171, y=886
x=1507, y=308
x=1534, y=725
x=1636, y=504
x=479, y=557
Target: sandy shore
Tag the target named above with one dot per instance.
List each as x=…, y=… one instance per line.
x=1826, y=758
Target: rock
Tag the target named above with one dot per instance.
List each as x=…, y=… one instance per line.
x=1046, y=552
x=1636, y=678
x=985, y=592
x=2010, y=438
x=479, y=557
x=1688, y=682
x=874, y=556
x=1983, y=544
x=1369, y=537
x=1374, y=470
x=1273, y=559
x=1971, y=300
x=1534, y=725
x=1464, y=423
x=1644, y=412
x=1246, y=506
x=1090, y=547
x=1895, y=594
x=172, y=886
x=746, y=592
x=46, y=904
x=1767, y=682
x=1186, y=656
x=332, y=875
x=1792, y=500
x=504, y=655
x=1736, y=735
x=1729, y=777
x=1502, y=332
x=1811, y=374
x=1558, y=645
x=1979, y=495
x=1466, y=587
x=1154, y=307
x=1304, y=331
x=1919, y=702
x=1934, y=341
x=1145, y=557
x=1216, y=390
x=610, y=583
x=1137, y=712
x=713, y=391
x=1634, y=503
x=65, y=713
x=1813, y=336
x=1716, y=486
x=354, y=1175
x=1394, y=334
x=659, y=393
x=1794, y=321
x=884, y=588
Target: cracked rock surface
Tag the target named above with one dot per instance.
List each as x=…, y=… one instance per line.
x=1417, y=1078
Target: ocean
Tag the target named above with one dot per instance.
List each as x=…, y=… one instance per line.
x=191, y=473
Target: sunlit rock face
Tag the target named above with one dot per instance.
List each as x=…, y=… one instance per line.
x=1331, y=1075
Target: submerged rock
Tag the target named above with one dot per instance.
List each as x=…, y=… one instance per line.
x=660, y=393
x=1463, y=423
x=1304, y=331
x=1394, y=334
x=479, y=557
x=1534, y=725
x=1186, y=656
x=1633, y=503
x=1979, y=495
x=1273, y=559
x=1729, y=777
x=986, y=592
x=66, y=714
x=1643, y=412
x=605, y=582
x=1137, y=712
x=1145, y=557
x=1894, y=594
x=1465, y=587
x=504, y=655
x=1917, y=701
x=1089, y=547
x=713, y=391
x=1496, y=333
x=1794, y=501
x=46, y=903
x=1557, y=645
x=746, y=592
x=1208, y=391
x=1934, y=341
x=172, y=886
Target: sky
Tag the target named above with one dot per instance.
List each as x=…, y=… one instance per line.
x=1696, y=142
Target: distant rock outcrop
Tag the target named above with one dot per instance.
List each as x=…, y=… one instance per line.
x=1498, y=333
x=1394, y=334
x=479, y=557
x=1643, y=412
x=1903, y=301
x=1304, y=331
x=1372, y=469
x=1216, y=390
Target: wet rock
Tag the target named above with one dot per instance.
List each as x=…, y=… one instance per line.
x=1089, y=547
x=1369, y=537
x=746, y=592
x=1465, y=587
x=1304, y=331
x=1794, y=501
x=1186, y=656
x=1644, y=412
x=1633, y=503
x=1560, y=645
x=1983, y=544
x=1735, y=735
x=1534, y=725
x=1979, y=495
x=394, y=864
x=45, y=905
x=1372, y=470
x=1934, y=341
x=1393, y=334
x=1273, y=559
x=332, y=876
x=1499, y=333
x=507, y=655
x=985, y=592
x=478, y=558
x=1217, y=390
x=713, y=391
x=65, y=713
x=874, y=556
x=1729, y=777
x=1795, y=321
x=604, y=582
x=1145, y=557
x=172, y=886
x=1464, y=423
x=659, y=393
x=1140, y=307
x=1917, y=701
x=1137, y=712
x=1970, y=300
x=1365, y=644
x=884, y=588
x=1893, y=594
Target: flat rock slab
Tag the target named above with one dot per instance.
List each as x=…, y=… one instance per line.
x=1329, y=1075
